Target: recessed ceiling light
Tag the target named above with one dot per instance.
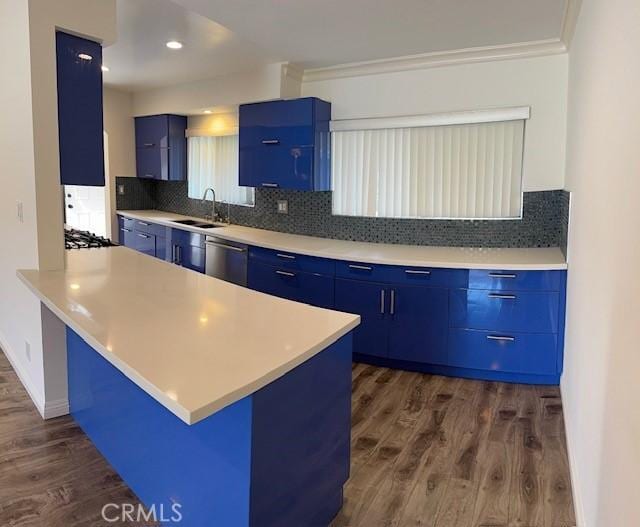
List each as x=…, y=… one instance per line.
x=105, y=68
x=208, y=111
x=84, y=56
x=174, y=44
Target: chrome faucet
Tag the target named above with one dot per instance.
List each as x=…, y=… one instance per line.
x=213, y=203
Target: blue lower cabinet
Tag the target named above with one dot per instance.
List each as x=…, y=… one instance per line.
x=370, y=301
x=515, y=280
x=529, y=353
x=419, y=324
x=309, y=288
x=187, y=249
x=146, y=243
x=523, y=311
x=128, y=237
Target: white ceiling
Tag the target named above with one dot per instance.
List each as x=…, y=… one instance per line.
x=140, y=60
x=233, y=35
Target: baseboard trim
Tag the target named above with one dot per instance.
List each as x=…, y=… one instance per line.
x=23, y=376
x=573, y=469
x=47, y=409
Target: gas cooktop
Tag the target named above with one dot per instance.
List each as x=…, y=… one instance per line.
x=75, y=239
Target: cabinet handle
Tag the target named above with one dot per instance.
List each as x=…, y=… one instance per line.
x=270, y=185
x=125, y=229
x=503, y=297
x=502, y=275
x=179, y=254
x=143, y=223
x=501, y=338
x=287, y=256
x=270, y=141
x=285, y=273
x=382, y=301
x=147, y=145
x=392, y=309
x=413, y=271
x=360, y=267
x=225, y=246
x=143, y=235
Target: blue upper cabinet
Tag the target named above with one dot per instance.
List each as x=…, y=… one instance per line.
x=161, y=147
x=285, y=144
x=80, y=129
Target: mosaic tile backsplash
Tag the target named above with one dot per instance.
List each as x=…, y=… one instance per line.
x=544, y=222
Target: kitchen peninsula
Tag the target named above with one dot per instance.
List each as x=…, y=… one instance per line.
x=231, y=403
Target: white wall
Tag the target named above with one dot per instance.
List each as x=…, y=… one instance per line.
x=30, y=175
x=600, y=386
x=120, y=154
x=537, y=82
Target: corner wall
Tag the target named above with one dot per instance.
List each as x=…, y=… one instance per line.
x=600, y=386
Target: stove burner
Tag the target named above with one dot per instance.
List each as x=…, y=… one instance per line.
x=74, y=239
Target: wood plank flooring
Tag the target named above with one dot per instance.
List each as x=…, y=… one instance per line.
x=426, y=451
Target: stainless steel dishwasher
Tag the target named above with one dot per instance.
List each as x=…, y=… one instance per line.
x=226, y=260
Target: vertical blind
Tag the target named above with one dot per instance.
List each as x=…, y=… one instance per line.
x=213, y=162
x=469, y=171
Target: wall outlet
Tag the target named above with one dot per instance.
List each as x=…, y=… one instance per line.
x=27, y=350
x=20, y=211
x=121, y=190
x=283, y=206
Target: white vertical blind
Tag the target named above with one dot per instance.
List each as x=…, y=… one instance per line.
x=457, y=171
x=213, y=162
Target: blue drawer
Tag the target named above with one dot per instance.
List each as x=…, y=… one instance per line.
x=515, y=280
x=187, y=238
x=309, y=288
x=125, y=222
x=393, y=274
x=297, y=262
x=147, y=227
x=529, y=311
x=505, y=352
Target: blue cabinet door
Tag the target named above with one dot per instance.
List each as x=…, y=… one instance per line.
x=309, y=288
x=285, y=144
x=187, y=249
x=128, y=238
x=419, y=324
x=80, y=128
x=161, y=147
x=370, y=301
x=145, y=243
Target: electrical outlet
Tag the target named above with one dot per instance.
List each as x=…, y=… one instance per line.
x=27, y=350
x=121, y=190
x=283, y=206
x=20, y=211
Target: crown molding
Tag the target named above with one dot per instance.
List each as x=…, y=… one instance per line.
x=439, y=59
x=570, y=21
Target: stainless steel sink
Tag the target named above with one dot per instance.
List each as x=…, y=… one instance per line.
x=194, y=223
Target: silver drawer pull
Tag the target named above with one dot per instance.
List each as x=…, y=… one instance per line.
x=143, y=223
x=382, y=301
x=270, y=141
x=125, y=229
x=413, y=271
x=149, y=144
x=501, y=338
x=392, y=307
x=287, y=256
x=143, y=236
x=503, y=275
x=503, y=297
x=270, y=185
x=360, y=267
x=225, y=246
x=285, y=273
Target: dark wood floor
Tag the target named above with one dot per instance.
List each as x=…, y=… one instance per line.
x=426, y=451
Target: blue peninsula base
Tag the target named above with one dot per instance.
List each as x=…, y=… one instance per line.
x=278, y=457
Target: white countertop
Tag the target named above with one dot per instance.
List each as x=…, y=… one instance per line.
x=534, y=259
x=194, y=343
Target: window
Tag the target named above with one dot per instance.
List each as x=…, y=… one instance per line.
x=213, y=162
x=463, y=166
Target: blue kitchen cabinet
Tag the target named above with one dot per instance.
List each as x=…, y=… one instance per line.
x=419, y=324
x=127, y=236
x=161, y=147
x=148, y=238
x=285, y=144
x=370, y=301
x=187, y=249
x=310, y=288
x=80, y=121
